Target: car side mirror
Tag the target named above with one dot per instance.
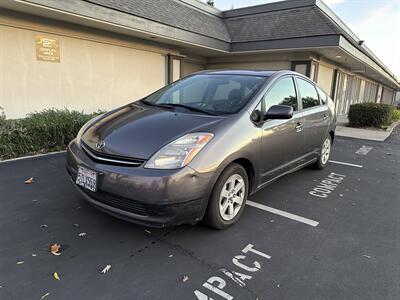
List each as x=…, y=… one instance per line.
x=256, y=116
x=279, y=112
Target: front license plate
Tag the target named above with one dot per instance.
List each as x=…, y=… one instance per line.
x=87, y=179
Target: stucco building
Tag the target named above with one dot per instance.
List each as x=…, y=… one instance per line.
x=100, y=54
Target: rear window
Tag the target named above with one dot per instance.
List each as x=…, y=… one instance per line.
x=218, y=94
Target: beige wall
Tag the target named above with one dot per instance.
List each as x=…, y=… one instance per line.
x=190, y=67
x=93, y=73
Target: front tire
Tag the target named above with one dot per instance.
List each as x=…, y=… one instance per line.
x=324, y=154
x=228, y=198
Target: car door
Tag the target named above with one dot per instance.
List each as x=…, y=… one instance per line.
x=282, y=140
x=315, y=114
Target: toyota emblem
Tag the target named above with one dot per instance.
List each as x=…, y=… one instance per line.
x=100, y=144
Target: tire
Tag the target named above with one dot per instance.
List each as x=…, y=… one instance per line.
x=323, y=157
x=225, y=206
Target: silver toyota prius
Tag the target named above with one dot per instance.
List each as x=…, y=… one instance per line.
x=197, y=148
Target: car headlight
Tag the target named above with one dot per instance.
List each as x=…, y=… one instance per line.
x=180, y=152
x=85, y=127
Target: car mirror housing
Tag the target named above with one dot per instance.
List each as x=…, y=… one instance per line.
x=256, y=116
x=279, y=112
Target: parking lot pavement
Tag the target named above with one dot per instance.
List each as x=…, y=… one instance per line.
x=331, y=234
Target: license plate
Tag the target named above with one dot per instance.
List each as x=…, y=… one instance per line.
x=87, y=179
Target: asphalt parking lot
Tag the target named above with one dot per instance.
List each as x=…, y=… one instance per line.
x=331, y=234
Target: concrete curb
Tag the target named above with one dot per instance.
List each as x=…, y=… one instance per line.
x=366, y=134
x=31, y=156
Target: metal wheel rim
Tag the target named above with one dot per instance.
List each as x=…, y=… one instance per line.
x=326, y=151
x=231, y=197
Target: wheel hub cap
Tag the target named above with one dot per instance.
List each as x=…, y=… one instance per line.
x=231, y=197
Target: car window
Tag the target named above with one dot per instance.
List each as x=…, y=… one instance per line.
x=223, y=90
x=217, y=94
x=282, y=93
x=322, y=95
x=309, y=96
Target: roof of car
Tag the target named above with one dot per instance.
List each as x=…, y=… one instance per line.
x=264, y=73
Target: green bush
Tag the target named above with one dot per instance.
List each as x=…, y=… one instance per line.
x=395, y=115
x=370, y=115
x=46, y=131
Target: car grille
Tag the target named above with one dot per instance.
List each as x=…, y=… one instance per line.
x=122, y=203
x=111, y=159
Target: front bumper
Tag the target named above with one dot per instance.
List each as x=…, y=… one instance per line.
x=157, y=198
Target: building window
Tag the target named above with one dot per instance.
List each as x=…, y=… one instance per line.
x=175, y=68
x=308, y=68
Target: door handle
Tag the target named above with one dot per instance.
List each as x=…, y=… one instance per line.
x=299, y=126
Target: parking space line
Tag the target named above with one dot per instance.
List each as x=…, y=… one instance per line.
x=346, y=164
x=283, y=213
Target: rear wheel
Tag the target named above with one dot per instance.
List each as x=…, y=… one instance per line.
x=228, y=198
x=324, y=154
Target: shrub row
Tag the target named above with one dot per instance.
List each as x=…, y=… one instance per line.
x=372, y=115
x=46, y=131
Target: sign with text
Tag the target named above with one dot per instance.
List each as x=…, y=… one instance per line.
x=47, y=49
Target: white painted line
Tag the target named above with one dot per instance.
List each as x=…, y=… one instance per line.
x=346, y=164
x=283, y=213
x=31, y=156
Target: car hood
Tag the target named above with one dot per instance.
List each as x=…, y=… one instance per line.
x=137, y=131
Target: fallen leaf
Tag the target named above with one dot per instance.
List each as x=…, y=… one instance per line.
x=29, y=181
x=20, y=262
x=55, y=249
x=106, y=269
x=340, y=195
x=56, y=276
x=278, y=285
x=148, y=231
x=44, y=296
x=185, y=278
x=171, y=255
x=76, y=225
x=82, y=234
x=367, y=256
x=44, y=226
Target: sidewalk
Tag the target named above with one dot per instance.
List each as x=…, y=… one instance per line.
x=379, y=135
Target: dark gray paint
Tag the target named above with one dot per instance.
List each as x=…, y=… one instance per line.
x=268, y=150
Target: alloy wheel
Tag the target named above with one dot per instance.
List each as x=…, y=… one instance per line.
x=326, y=151
x=231, y=197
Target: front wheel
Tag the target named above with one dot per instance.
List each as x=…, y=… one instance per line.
x=324, y=154
x=228, y=198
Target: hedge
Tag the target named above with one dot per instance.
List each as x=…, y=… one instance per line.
x=40, y=132
x=371, y=115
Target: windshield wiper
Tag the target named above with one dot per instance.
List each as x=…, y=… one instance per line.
x=172, y=105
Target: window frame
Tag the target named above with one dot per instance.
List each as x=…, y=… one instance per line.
x=297, y=77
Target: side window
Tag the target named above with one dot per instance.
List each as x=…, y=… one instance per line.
x=282, y=93
x=309, y=96
x=322, y=95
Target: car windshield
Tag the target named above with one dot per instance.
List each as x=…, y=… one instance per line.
x=211, y=94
